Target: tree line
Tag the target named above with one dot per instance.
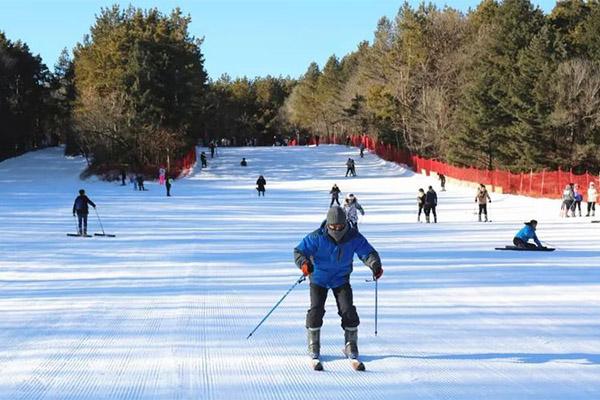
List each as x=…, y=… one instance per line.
x=501, y=86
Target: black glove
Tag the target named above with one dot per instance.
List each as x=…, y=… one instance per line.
x=377, y=270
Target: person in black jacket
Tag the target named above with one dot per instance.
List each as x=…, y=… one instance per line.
x=430, y=204
x=243, y=163
x=335, y=194
x=80, y=207
x=168, y=185
x=420, y=203
x=260, y=185
x=203, y=160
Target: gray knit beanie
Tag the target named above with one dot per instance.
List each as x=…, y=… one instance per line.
x=336, y=215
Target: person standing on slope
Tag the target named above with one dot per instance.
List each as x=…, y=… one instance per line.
x=568, y=198
x=482, y=197
x=352, y=208
x=420, y=203
x=80, y=207
x=577, y=199
x=162, y=172
x=442, y=179
x=430, y=204
x=203, y=160
x=526, y=233
x=326, y=256
x=591, y=199
x=260, y=185
x=168, y=181
x=335, y=194
x=350, y=167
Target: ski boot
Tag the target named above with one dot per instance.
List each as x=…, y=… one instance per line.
x=479, y=218
x=427, y=219
x=486, y=219
x=314, y=342
x=351, y=340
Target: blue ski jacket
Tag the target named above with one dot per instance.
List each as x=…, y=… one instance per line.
x=526, y=233
x=332, y=261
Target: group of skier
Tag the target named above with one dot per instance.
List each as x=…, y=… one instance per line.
x=572, y=198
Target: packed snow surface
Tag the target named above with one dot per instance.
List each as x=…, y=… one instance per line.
x=162, y=311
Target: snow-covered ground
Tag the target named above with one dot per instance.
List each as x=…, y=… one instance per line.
x=162, y=311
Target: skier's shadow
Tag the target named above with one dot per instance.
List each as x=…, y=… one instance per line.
x=519, y=358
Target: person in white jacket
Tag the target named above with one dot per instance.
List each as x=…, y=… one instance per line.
x=591, y=200
x=352, y=208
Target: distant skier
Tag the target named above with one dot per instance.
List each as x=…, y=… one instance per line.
x=350, y=167
x=352, y=208
x=162, y=172
x=442, y=179
x=348, y=141
x=526, y=233
x=577, y=199
x=260, y=185
x=211, y=147
x=430, y=204
x=325, y=256
x=591, y=200
x=123, y=177
x=168, y=181
x=362, y=150
x=133, y=180
x=140, y=182
x=317, y=140
x=203, y=160
x=80, y=207
x=568, y=197
x=243, y=163
x=482, y=197
x=420, y=203
x=335, y=194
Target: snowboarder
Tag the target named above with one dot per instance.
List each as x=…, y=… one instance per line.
x=350, y=167
x=335, y=194
x=442, y=179
x=430, y=204
x=482, y=197
x=203, y=160
x=325, y=256
x=362, y=150
x=260, y=185
x=420, y=203
x=80, y=207
x=168, y=186
x=243, y=163
x=352, y=208
x=161, y=175
x=526, y=233
x=577, y=199
x=568, y=198
x=591, y=199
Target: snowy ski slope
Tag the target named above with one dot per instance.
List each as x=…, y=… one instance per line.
x=162, y=310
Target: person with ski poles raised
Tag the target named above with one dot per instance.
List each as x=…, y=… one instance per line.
x=326, y=256
x=80, y=207
x=352, y=208
x=521, y=239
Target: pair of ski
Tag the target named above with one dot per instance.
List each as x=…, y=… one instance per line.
x=89, y=236
x=355, y=363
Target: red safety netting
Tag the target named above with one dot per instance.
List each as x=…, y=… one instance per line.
x=183, y=166
x=535, y=184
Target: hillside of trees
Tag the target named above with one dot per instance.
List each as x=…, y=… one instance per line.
x=501, y=86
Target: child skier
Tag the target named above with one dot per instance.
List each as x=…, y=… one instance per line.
x=325, y=255
x=80, y=207
x=168, y=185
x=482, y=197
x=203, y=160
x=577, y=199
x=352, y=208
x=420, y=203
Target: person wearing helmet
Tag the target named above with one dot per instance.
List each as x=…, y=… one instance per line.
x=326, y=256
x=352, y=208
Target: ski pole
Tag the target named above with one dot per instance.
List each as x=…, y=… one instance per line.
x=99, y=220
x=76, y=224
x=376, y=297
x=300, y=280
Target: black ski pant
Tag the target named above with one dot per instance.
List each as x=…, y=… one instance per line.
x=419, y=213
x=576, y=206
x=204, y=165
x=82, y=220
x=345, y=305
x=430, y=208
x=591, y=207
x=483, y=209
x=168, y=190
x=334, y=199
x=261, y=191
x=520, y=243
x=348, y=171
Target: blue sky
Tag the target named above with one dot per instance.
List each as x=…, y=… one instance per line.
x=251, y=37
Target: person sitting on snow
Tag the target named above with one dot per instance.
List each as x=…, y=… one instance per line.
x=526, y=233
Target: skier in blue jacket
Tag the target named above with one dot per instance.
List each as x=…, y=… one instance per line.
x=326, y=256
x=526, y=233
